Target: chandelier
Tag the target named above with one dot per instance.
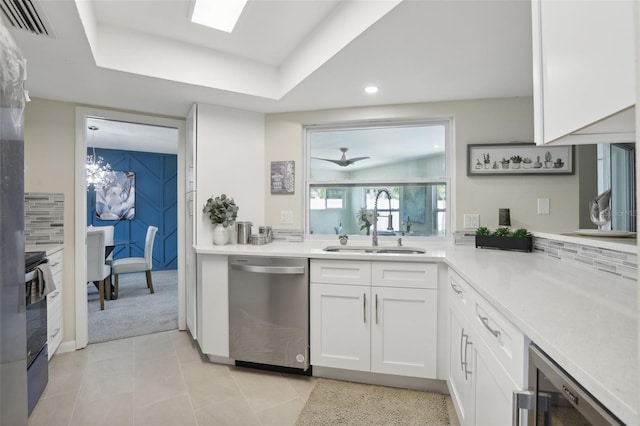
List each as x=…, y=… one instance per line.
x=99, y=173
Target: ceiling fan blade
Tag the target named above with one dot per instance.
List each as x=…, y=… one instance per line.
x=338, y=162
x=353, y=160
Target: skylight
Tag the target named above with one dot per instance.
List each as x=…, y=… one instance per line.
x=219, y=14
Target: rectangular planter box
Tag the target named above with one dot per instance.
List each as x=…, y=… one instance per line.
x=505, y=243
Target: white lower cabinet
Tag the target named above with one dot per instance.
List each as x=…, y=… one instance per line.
x=486, y=358
x=54, y=304
x=360, y=327
x=340, y=326
x=461, y=366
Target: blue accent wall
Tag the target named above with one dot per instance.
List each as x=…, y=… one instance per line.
x=156, y=189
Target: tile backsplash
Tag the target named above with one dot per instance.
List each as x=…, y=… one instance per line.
x=624, y=264
x=43, y=218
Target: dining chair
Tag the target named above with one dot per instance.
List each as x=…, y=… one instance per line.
x=137, y=264
x=97, y=270
x=108, y=240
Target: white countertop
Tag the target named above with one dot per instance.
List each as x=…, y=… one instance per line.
x=48, y=248
x=584, y=319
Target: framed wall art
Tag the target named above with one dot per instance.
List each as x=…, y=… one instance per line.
x=282, y=177
x=519, y=159
x=117, y=199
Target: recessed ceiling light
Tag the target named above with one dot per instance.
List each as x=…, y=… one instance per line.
x=371, y=90
x=219, y=14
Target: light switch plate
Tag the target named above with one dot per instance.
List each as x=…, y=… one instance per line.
x=286, y=217
x=543, y=206
x=471, y=221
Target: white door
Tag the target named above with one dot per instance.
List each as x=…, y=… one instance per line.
x=404, y=331
x=340, y=326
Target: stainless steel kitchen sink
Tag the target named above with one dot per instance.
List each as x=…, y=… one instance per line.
x=374, y=249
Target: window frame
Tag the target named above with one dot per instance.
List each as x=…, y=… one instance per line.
x=447, y=179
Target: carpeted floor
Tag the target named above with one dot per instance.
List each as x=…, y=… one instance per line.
x=136, y=312
x=335, y=402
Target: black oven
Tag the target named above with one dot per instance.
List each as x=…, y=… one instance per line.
x=556, y=399
x=37, y=354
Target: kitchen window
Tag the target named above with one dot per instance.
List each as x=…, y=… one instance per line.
x=348, y=164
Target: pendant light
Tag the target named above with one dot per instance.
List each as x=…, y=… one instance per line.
x=99, y=173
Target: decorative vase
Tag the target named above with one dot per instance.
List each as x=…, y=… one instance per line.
x=343, y=241
x=368, y=229
x=220, y=235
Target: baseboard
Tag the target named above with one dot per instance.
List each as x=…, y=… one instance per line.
x=415, y=383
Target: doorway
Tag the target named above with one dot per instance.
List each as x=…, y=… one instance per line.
x=86, y=117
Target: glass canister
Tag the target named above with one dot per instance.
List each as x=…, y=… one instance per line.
x=244, y=232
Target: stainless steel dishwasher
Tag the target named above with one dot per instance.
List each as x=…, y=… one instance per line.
x=269, y=311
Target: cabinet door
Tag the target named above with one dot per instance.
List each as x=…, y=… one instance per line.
x=54, y=304
x=340, y=326
x=461, y=368
x=404, y=331
x=583, y=65
x=493, y=389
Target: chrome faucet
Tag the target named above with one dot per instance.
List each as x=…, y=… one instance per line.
x=374, y=238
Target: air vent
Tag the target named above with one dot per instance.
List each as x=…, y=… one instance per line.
x=26, y=15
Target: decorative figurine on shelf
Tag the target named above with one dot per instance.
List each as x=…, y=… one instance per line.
x=343, y=239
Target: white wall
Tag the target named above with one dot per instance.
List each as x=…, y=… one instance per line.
x=230, y=159
x=475, y=122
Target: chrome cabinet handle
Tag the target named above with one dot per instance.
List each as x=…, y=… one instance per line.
x=55, y=333
x=53, y=295
x=455, y=288
x=466, y=363
x=55, y=264
x=364, y=307
x=485, y=322
x=461, y=356
x=260, y=269
x=376, y=308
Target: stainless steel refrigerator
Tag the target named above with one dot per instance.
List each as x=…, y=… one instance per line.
x=13, y=354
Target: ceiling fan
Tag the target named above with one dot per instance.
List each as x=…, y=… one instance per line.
x=343, y=161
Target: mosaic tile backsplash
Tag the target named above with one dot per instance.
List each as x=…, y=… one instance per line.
x=43, y=218
x=615, y=262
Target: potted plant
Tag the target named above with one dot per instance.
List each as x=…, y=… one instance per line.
x=504, y=239
x=537, y=164
x=558, y=164
x=487, y=160
x=365, y=219
x=343, y=238
x=526, y=163
x=222, y=212
x=547, y=160
x=515, y=161
x=505, y=163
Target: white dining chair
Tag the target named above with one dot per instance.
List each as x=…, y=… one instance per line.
x=97, y=269
x=109, y=232
x=137, y=264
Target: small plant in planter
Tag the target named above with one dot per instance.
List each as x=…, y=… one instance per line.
x=526, y=163
x=505, y=163
x=222, y=212
x=487, y=160
x=343, y=238
x=505, y=239
x=547, y=160
x=516, y=160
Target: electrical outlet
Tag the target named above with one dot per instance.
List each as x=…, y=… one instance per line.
x=543, y=206
x=472, y=221
x=286, y=217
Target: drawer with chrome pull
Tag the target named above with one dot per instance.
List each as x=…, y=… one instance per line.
x=506, y=342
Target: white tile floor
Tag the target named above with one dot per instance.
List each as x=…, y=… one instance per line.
x=160, y=379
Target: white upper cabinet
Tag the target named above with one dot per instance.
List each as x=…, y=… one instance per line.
x=583, y=71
